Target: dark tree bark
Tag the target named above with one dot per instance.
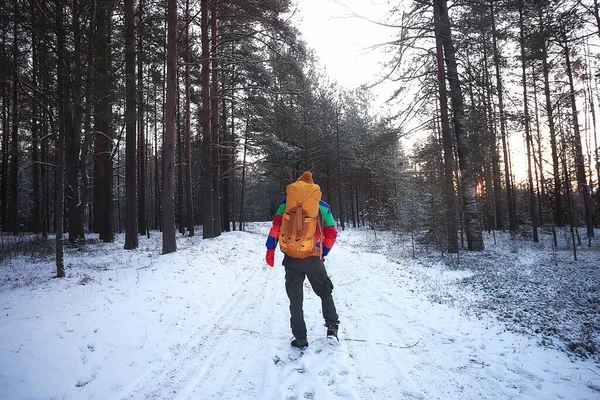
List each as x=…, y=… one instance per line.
x=497, y=181
x=339, y=164
x=214, y=124
x=328, y=181
x=158, y=193
x=13, y=209
x=225, y=158
x=103, y=147
x=579, y=159
x=243, y=189
x=507, y=174
x=73, y=135
x=357, y=203
x=207, y=212
x=352, y=205
x=567, y=180
x=594, y=133
x=142, y=162
x=539, y=170
x=558, y=208
x=180, y=212
x=532, y=207
x=169, y=243
x=188, y=131
x=60, y=145
x=131, y=217
x=233, y=151
x=473, y=227
x=88, y=135
x=5, y=136
x=45, y=72
x=35, y=117
x=451, y=227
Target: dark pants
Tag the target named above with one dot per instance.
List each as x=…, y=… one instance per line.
x=295, y=271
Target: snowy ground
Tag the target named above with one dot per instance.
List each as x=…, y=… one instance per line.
x=211, y=321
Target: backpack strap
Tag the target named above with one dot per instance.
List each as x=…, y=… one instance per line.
x=320, y=225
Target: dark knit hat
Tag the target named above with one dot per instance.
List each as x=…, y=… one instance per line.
x=306, y=177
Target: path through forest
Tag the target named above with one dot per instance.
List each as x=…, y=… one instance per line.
x=211, y=321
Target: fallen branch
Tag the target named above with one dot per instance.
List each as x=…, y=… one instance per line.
x=383, y=344
x=238, y=329
x=349, y=283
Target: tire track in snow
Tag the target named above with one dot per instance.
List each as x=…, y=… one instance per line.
x=212, y=354
x=239, y=337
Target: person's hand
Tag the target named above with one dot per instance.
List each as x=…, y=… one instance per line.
x=270, y=257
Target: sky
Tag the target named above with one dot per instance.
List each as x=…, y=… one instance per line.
x=211, y=321
x=341, y=40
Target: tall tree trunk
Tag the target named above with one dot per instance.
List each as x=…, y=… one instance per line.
x=233, y=149
x=118, y=187
x=169, y=243
x=352, y=203
x=328, y=182
x=214, y=123
x=451, y=228
x=507, y=177
x=180, y=212
x=158, y=194
x=225, y=169
x=496, y=174
x=73, y=135
x=88, y=135
x=188, y=131
x=473, y=226
x=243, y=189
x=596, y=147
x=5, y=137
x=567, y=180
x=45, y=71
x=597, y=153
x=579, y=159
x=141, y=148
x=339, y=165
x=14, y=144
x=558, y=208
x=541, y=189
x=35, y=168
x=154, y=206
x=60, y=145
x=131, y=216
x=103, y=169
x=207, y=212
x=356, y=182
x=305, y=131
x=532, y=208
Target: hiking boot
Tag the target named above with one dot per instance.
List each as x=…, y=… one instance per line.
x=332, y=331
x=299, y=343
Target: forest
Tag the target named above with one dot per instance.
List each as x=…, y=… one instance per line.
x=188, y=116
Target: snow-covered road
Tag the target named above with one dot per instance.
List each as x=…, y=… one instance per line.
x=211, y=321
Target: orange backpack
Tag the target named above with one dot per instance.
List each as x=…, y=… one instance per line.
x=300, y=220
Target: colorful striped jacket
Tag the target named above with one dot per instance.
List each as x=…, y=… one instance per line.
x=329, y=230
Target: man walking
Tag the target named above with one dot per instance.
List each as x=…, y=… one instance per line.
x=305, y=230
